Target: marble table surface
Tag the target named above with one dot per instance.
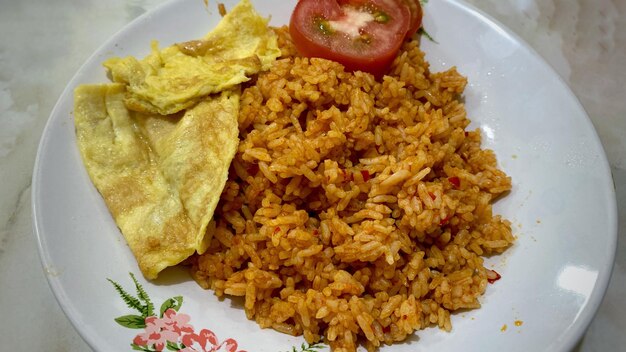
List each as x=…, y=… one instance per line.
x=43, y=43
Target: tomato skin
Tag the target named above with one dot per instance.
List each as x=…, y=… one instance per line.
x=416, y=16
x=314, y=39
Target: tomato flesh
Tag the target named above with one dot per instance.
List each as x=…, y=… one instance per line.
x=362, y=35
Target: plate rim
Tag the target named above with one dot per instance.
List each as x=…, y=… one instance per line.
x=570, y=336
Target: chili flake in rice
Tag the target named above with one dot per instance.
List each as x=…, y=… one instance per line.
x=357, y=211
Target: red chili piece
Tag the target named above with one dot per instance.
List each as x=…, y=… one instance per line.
x=366, y=175
x=455, y=181
x=445, y=220
x=497, y=276
x=347, y=176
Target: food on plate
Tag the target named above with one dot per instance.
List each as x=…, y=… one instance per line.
x=160, y=176
x=362, y=35
x=178, y=77
x=357, y=210
x=158, y=146
x=349, y=206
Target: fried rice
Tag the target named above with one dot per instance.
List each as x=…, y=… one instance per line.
x=357, y=211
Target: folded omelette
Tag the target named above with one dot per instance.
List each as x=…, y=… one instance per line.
x=177, y=77
x=157, y=143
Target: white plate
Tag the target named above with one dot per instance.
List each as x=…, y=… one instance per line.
x=562, y=205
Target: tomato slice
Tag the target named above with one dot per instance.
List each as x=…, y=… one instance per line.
x=416, y=15
x=362, y=35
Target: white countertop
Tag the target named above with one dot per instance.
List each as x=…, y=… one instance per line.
x=44, y=43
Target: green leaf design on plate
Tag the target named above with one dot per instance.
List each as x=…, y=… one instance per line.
x=174, y=303
x=148, y=309
x=131, y=321
x=173, y=346
x=306, y=347
x=142, y=348
x=131, y=301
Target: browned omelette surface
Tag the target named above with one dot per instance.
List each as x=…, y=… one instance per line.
x=160, y=177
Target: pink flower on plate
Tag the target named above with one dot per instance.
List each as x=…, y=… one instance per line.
x=171, y=331
x=155, y=335
x=206, y=341
x=231, y=346
x=200, y=341
x=177, y=322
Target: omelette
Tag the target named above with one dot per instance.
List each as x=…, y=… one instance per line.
x=158, y=141
x=177, y=77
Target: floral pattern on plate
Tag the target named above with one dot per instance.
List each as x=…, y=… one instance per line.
x=170, y=330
